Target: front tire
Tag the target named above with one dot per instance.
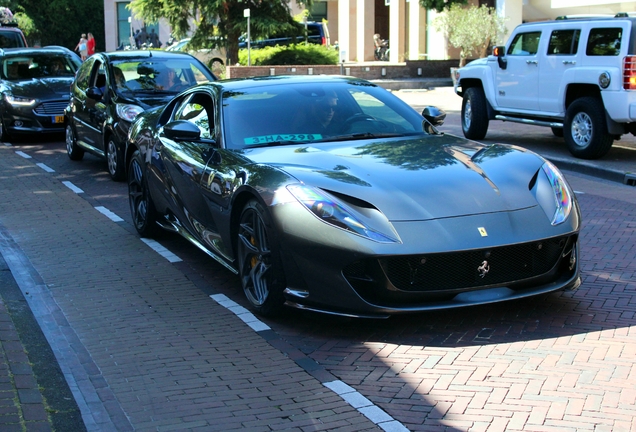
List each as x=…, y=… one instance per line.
x=4, y=133
x=585, y=129
x=142, y=209
x=72, y=149
x=260, y=267
x=474, y=114
x=115, y=160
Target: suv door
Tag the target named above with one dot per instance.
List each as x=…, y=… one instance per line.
x=562, y=55
x=517, y=85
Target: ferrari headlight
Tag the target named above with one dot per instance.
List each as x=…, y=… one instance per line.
x=554, y=194
x=18, y=100
x=334, y=212
x=128, y=112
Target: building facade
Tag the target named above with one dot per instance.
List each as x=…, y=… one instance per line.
x=352, y=23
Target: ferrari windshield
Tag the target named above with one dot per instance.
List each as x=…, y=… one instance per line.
x=314, y=112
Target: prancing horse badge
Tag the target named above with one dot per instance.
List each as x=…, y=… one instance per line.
x=482, y=231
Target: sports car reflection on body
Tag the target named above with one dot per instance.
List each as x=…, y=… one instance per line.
x=331, y=194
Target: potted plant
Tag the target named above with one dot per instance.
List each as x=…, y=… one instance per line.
x=471, y=29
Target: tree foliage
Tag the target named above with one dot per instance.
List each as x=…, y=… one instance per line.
x=440, y=5
x=220, y=18
x=471, y=29
x=59, y=22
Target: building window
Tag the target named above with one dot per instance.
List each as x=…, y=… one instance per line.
x=123, y=26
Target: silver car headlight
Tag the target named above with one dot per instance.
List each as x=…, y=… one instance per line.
x=128, y=112
x=334, y=212
x=553, y=194
x=18, y=100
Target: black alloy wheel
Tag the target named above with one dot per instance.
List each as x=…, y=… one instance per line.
x=115, y=160
x=260, y=267
x=72, y=149
x=142, y=208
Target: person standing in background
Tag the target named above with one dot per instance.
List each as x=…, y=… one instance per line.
x=82, y=47
x=90, y=45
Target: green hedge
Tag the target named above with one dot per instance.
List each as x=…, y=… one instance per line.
x=300, y=54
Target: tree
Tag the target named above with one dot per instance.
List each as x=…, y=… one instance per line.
x=440, y=5
x=471, y=29
x=219, y=21
x=61, y=22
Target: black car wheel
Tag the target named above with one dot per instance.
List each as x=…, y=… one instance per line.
x=72, y=149
x=585, y=129
x=260, y=267
x=474, y=114
x=115, y=160
x=4, y=133
x=142, y=208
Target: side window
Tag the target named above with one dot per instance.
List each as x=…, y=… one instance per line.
x=564, y=42
x=197, y=109
x=83, y=76
x=99, y=75
x=604, y=42
x=525, y=44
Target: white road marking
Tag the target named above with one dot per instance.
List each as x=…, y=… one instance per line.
x=109, y=214
x=156, y=246
x=244, y=315
x=350, y=395
x=45, y=167
x=72, y=187
x=23, y=154
x=365, y=406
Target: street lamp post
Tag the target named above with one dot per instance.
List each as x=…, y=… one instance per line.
x=246, y=14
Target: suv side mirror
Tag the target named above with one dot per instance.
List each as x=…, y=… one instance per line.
x=500, y=53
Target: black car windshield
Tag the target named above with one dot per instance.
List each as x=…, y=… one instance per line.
x=157, y=75
x=41, y=65
x=318, y=111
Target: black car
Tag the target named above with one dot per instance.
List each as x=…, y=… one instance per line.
x=111, y=89
x=34, y=83
x=317, y=33
x=332, y=194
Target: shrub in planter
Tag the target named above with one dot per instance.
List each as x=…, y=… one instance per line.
x=299, y=54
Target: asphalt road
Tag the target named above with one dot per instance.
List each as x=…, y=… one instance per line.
x=563, y=361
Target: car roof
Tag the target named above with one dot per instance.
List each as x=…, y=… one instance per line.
x=32, y=50
x=621, y=16
x=239, y=83
x=144, y=54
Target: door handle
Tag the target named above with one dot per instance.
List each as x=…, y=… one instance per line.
x=531, y=62
x=569, y=62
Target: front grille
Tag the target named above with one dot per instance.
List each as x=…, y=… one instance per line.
x=461, y=270
x=51, y=108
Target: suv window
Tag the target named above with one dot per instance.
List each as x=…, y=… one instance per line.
x=564, y=42
x=604, y=42
x=11, y=38
x=525, y=44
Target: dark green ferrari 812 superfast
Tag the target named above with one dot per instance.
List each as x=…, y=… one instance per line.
x=331, y=194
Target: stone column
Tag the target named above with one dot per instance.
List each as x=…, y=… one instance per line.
x=417, y=30
x=364, y=26
x=397, y=36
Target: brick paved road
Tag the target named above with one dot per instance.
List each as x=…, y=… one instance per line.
x=167, y=357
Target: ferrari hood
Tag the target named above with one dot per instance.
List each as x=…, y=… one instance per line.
x=432, y=177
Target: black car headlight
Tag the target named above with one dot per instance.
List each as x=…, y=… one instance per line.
x=19, y=100
x=553, y=194
x=334, y=212
x=128, y=112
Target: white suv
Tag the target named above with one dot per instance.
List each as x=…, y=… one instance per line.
x=574, y=75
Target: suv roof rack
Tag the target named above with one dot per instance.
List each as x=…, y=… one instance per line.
x=583, y=16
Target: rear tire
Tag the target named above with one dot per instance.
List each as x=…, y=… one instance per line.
x=259, y=263
x=72, y=149
x=585, y=129
x=142, y=209
x=474, y=114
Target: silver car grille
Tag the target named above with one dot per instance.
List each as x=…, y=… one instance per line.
x=51, y=108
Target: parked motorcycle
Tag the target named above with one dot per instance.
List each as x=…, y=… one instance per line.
x=381, y=52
